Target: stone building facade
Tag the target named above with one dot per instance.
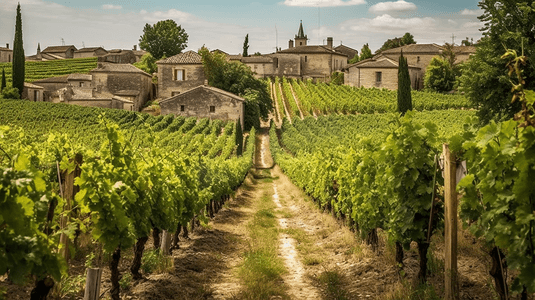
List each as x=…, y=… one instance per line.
x=6, y=54
x=110, y=80
x=179, y=73
x=61, y=51
x=32, y=92
x=379, y=72
x=205, y=102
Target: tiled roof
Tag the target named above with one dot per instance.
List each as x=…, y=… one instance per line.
x=32, y=86
x=311, y=49
x=54, y=49
x=464, y=49
x=89, y=49
x=256, y=59
x=380, y=62
x=235, y=56
x=5, y=49
x=415, y=48
x=121, y=68
x=77, y=76
x=205, y=87
x=59, y=79
x=189, y=57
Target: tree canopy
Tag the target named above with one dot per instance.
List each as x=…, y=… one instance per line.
x=165, y=38
x=507, y=25
x=439, y=75
x=404, y=86
x=406, y=39
x=365, y=53
x=237, y=78
x=147, y=63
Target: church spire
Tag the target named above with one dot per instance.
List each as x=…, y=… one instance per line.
x=301, y=33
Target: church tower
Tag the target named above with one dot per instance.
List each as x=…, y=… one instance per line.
x=301, y=38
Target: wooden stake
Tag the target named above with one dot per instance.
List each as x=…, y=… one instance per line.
x=450, y=219
x=92, y=284
x=166, y=242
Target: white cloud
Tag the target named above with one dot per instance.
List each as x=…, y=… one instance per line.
x=471, y=12
x=398, y=6
x=388, y=24
x=111, y=6
x=450, y=21
x=472, y=25
x=322, y=3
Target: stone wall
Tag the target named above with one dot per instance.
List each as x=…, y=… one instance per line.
x=99, y=52
x=107, y=84
x=6, y=56
x=288, y=65
x=366, y=77
x=167, y=85
x=197, y=103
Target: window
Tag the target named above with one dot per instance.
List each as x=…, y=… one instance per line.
x=300, y=43
x=212, y=109
x=182, y=108
x=418, y=59
x=81, y=84
x=306, y=58
x=179, y=75
x=378, y=77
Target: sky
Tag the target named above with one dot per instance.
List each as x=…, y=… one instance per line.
x=223, y=24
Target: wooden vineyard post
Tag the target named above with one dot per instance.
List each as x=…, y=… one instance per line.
x=166, y=242
x=68, y=193
x=92, y=284
x=450, y=219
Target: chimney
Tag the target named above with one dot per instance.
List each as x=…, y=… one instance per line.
x=7, y=45
x=135, y=47
x=291, y=44
x=330, y=42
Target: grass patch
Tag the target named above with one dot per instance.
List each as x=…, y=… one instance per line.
x=153, y=261
x=332, y=284
x=407, y=291
x=262, y=269
x=312, y=261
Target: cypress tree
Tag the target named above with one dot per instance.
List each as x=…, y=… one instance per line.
x=404, y=86
x=246, y=46
x=18, y=55
x=239, y=138
x=3, y=80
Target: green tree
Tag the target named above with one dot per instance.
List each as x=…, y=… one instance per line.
x=365, y=52
x=18, y=55
x=246, y=46
x=147, y=63
x=163, y=38
x=355, y=59
x=439, y=75
x=10, y=93
x=3, y=85
x=237, y=78
x=407, y=39
x=507, y=25
x=239, y=138
x=404, y=86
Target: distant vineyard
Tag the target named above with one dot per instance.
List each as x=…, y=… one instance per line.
x=323, y=99
x=36, y=70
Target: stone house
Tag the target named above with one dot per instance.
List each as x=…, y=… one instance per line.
x=179, y=73
x=61, y=52
x=6, y=54
x=53, y=84
x=32, y=92
x=119, y=56
x=205, y=102
x=379, y=72
x=138, y=53
x=110, y=80
x=350, y=52
x=90, y=52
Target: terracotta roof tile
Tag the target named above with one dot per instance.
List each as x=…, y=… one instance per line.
x=55, y=49
x=189, y=57
x=122, y=68
x=311, y=49
x=415, y=48
x=89, y=49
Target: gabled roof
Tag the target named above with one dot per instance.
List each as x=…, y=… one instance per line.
x=89, y=49
x=350, y=52
x=379, y=62
x=32, y=86
x=58, y=79
x=77, y=76
x=207, y=88
x=312, y=49
x=415, y=48
x=189, y=57
x=119, y=68
x=57, y=49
